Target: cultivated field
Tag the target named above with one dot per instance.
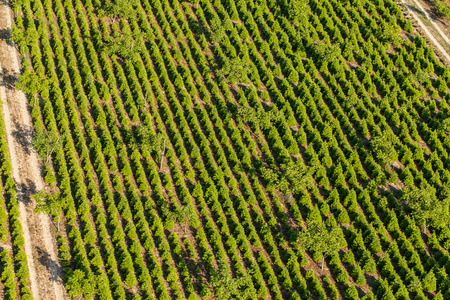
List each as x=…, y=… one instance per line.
x=249, y=149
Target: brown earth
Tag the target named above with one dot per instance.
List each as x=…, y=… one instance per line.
x=40, y=245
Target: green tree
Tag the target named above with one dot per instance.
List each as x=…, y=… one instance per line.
x=125, y=45
x=149, y=142
x=225, y=286
x=445, y=126
x=184, y=216
x=429, y=282
x=32, y=84
x=297, y=11
x=328, y=53
x=297, y=176
x=426, y=208
x=120, y=9
x=49, y=204
x=234, y=70
x=260, y=117
x=351, y=101
x=389, y=33
x=383, y=148
x=23, y=38
x=44, y=143
x=78, y=284
x=320, y=239
x=291, y=178
x=218, y=30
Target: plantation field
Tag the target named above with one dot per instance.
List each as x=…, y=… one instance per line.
x=249, y=149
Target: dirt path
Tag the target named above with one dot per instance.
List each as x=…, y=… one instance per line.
x=432, y=20
x=40, y=247
x=425, y=29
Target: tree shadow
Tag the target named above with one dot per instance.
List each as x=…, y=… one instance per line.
x=25, y=190
x=9, y=79
x=23, y=135
x=415, y=10
x=6, y=34
x=45, y=260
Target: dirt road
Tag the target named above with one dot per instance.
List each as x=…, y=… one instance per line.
x=425, y=28
x=40, y=247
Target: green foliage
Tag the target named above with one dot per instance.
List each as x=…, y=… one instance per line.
x=147, y=140
x=320, y=239
x=297, y=11
x=292, y=177
x=120, y=8
x=351, y=293
x=49, y=204
x=218, y=30
x=383, y=148
x=297, y=123
x=234, y=70
x=264, y=119
x=225, y=286
x=429, y=282
x=327, y=53
x=45, y=143
x=78, y=284
x=32, y=84
x=426, y=208
x=183, y=215
x=125, y=45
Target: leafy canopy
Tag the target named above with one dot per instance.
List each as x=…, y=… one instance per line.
x=45, y=142
x=383, y=147
x=426, y=208
x=78, y=284
x=32, y=83
x=225, y=286
x=297, y=11
x=321, y=239
x=120, y=8
x=292, y=177
x=147, y=140
x=234, y=70
x=183, y=215
x=260, y=117
x=125, y=45
x=49, y=204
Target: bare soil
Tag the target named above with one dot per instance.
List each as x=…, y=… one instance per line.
x=413, y=11
x=40, y=246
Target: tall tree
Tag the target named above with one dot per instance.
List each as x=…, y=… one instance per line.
x=297, y=11
x=383, y=148
x=125, y=45
x=184, y=216
x=291, y=178
x=32, y=84
x=218, y=30
x=321, y=239
x=49, y=204
x=78, y=284
x=388, y=32
x=120, y=9
x=234, y=70
x=445, y=126
x=327, y=53
x=23, y=38
x=45, y=142
x=297, y=175
x=225, y=286
x=260, y=117
x=426, y=208
x=148, y=141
